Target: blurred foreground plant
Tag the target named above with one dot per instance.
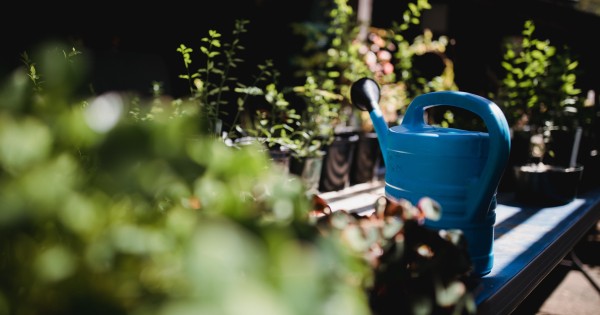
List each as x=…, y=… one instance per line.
x=106, y=213
x=414, y=270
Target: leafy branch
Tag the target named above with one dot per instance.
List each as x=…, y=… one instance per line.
x=209, y=84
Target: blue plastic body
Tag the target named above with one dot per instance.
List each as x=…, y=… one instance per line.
x=457, y=168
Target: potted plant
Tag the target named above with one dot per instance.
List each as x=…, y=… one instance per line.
x=321, y=145
x=212, y=85
x=271, y=119
x=261, y=114
x=340, y=57
x=377, y=52
x=391, y=57
x=329, y=66
x=541, y=102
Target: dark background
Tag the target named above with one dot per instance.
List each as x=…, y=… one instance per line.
x=478, y=28
x=133, y=44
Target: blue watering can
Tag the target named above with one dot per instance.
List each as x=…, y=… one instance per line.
x=457, y=168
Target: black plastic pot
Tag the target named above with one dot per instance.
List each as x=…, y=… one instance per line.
x=280, y=156
x=308, y=169
x=337, y=161
x=520, y=154
x=366, y=160
x=546, y=185
x=589, y=157
x=559, y=147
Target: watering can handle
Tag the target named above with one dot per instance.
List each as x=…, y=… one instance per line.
x=499, y=135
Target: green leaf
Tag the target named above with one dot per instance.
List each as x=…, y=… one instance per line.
x=507, y=66
x=393, y=225
x=450, y=295
x=24, y=143
x=214, y=34
x=431, y=208
x=413, y=8
x=571, y=66
x=55, y=264
x=455, y=236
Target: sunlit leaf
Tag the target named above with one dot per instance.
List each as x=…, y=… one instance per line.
x=55, y=263
x=431, y=208
x=451, y=294
x=23, y=143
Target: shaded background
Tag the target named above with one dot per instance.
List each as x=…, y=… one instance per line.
x=133, y=44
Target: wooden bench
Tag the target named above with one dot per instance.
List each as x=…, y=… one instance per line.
x=529, y=242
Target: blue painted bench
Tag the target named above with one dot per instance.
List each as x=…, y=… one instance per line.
x=529, y=242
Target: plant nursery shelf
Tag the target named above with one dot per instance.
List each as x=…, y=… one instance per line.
x=529, y=241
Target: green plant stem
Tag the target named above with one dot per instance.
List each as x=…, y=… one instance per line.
x=238, y=112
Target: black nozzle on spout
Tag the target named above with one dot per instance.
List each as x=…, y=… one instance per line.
x=364, y=93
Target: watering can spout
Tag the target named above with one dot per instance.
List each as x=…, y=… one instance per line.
x=364, y=94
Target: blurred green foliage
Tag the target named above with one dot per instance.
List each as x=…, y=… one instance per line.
x=106, y=213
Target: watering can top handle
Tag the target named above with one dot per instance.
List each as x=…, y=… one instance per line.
x=497, y=127
x=490, y=112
